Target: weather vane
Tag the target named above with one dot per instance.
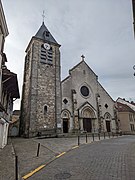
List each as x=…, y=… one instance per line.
x=43, y=15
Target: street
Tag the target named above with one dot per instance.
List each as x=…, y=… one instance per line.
x=112, y=159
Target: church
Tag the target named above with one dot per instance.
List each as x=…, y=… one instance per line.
x=79, y=103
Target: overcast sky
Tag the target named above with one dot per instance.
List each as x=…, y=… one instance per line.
x=102, y=30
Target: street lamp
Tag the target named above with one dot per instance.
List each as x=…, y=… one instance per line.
x=134, y=69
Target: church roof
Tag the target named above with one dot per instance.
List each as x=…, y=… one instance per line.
x=44, y=34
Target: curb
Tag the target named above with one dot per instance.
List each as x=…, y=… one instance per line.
x=44, y=165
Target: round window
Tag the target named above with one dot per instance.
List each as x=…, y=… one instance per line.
x=84, y=91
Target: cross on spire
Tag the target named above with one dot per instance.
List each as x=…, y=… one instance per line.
x=82, y=56
x=43, y=15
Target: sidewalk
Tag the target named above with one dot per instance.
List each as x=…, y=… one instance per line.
x=26, y=150
x=7, y=161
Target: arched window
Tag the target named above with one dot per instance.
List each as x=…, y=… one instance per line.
x=45, y=109
x=107, y=116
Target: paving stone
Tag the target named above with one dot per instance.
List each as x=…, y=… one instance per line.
x=112, y=159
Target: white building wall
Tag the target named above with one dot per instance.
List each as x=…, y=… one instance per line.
x=3, y=132
x=3, y=34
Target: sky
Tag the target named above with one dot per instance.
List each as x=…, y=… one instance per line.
x=101, y=30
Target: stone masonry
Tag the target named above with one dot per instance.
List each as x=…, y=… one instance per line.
x=41, y=98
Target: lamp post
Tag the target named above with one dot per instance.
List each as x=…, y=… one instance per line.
x=134, y=69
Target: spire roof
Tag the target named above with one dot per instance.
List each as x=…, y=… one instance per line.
x=44, y=34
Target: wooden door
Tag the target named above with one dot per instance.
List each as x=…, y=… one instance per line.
x=108, y=127
x=87, y=126
x=65, y=125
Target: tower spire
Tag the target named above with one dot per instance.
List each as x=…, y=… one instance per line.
x=43, y=15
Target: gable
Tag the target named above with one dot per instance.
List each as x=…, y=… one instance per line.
x=83, y=66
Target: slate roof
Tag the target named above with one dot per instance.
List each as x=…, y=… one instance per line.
x=123, y=101
x=44, y=34
x=124, y=108
x=10, y=83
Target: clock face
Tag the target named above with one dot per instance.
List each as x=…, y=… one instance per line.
x=47, y=46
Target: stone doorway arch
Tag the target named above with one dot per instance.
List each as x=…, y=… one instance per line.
x=88, y=115
x=108, y=118
x=65, y=121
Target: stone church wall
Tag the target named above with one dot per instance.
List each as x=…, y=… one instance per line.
x=42, y=91
x=82, y=75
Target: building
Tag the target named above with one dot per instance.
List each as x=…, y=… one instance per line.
x=82, y=104
x=41, y=96
x=86, y=106
x=14, y=125
x=3, y=34
x=8, y=85
x=126, y=115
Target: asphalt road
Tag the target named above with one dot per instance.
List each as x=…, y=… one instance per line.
x=112, y=159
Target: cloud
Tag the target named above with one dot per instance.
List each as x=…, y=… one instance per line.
x=101, y=30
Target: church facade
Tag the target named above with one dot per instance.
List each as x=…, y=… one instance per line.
x=86, y=106
x=78, y=103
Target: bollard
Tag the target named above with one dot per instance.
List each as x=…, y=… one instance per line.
x=86, y=138
x=16, y=167
x=78, y=140
x=38, y=149
x=121, y=133
x=93, y=136
x=112, y=134
x=104, y=135
x=99, y=136
x=109, y=134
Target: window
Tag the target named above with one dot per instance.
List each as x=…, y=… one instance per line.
x=106, y=106
x=84, y=72
x=47, y=33
x=132, y=127
x=84, y=91
x=65, y=101
x=46, y=56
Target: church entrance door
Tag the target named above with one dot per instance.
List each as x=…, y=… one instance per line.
x=65, y=125
x=87, y=126
x=108, y=128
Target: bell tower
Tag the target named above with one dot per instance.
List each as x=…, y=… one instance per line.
x=41, y=94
